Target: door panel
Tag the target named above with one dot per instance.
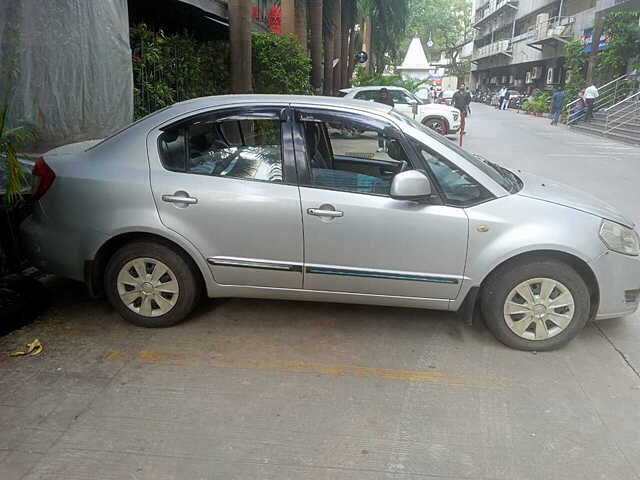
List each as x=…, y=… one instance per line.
x=239, y=211
x=383, y=246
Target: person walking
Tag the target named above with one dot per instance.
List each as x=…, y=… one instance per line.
x=468, y=97
x=505, y=100
x=501, y=94
x=590, y=95
x=557, y=101
x=460, y=101
x=432, y=95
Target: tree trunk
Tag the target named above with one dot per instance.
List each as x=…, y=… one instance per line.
x=598, y=27
x=368, y=43
x=288, y=18
x=355, y=44
x=337, y=46
x=329, y=43
x=240, y=42
x=328, y=64
x=347, y=26
x=301, y=23
x=315, y=12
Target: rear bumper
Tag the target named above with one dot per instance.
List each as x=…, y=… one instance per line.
x=619, y=283
x=56, y=251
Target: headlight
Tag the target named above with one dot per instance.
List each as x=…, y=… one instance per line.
x=620, y=239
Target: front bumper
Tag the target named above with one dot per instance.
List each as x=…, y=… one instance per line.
x=619, y=283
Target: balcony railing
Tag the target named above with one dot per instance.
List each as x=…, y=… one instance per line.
x=555, y=29
x=502, y=47
x=495, y=6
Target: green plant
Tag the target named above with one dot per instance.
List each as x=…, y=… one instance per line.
x=363, y=78
x=623, y=34
x=172, y=68
x=538, y=103
x=280, y=65
x=576, y=65
x=11, y=140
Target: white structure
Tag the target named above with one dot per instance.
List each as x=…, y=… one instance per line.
x=416, y=65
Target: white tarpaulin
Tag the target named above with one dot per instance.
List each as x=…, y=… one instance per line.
x=66, y=67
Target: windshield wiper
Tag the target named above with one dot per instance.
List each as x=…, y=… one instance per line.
x=508, y=175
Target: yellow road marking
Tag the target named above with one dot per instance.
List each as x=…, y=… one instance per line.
x=155, y=357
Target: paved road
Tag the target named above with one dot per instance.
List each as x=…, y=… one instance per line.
x=287, y=390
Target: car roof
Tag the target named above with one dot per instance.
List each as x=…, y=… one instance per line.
x=202, y=104
x=371, y=87
x=240, y=100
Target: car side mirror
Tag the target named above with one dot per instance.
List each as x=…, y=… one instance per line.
x=411, y=185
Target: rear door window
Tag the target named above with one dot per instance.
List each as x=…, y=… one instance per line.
x=243, y=148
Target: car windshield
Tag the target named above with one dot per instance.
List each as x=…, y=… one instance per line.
x=502, y=176
x=414, y=97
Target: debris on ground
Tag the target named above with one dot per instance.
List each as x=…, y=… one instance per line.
x=33, y=348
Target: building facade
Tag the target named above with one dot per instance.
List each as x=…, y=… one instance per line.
x=519, y=44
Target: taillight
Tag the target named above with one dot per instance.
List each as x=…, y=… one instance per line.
x=43, y=178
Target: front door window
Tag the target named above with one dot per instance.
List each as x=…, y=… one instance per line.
x=351, y=154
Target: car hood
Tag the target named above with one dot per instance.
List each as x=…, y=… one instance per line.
x=551, y=191
x=432, y=107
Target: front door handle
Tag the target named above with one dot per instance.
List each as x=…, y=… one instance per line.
x=183, y=199
x=325, y=213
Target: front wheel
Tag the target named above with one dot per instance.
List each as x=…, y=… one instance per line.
x=151, y=285
x=437, y=124
x=535, y=305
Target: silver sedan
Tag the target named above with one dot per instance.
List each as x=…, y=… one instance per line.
x=267, y=197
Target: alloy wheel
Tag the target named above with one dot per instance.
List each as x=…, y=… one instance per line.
x=539, y=308
x=437, y=125
x=148, y=287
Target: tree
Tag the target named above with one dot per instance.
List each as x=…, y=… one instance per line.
x=316, y=9
x=240, y=42
x=348, y=38
x=328, y=32
x=388, y=23
x=337, y=46
x=301, y=27
x=448, y=24
x=623, y=32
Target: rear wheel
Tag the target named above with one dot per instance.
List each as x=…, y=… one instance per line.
x=437, y=124
x=535, y=305
x=151, y=285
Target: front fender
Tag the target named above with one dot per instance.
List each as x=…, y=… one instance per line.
x=510, y=226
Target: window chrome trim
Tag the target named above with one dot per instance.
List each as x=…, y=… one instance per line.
x=254, y=263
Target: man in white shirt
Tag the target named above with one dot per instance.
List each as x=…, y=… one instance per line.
x=501, y=94
x=590, y=95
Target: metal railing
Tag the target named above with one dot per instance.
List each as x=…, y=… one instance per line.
x=623, y=113
x=487, y=12
x=609, y=95
x=495, y=48
x=554, y=27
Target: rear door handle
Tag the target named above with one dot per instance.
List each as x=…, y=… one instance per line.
x=179, y=199
x=325, y=213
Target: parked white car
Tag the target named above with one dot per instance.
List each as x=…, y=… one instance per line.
x=441, y=118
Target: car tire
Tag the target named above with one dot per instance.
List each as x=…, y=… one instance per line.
x=557, y=306
x=437, y=124
x=151, y=285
